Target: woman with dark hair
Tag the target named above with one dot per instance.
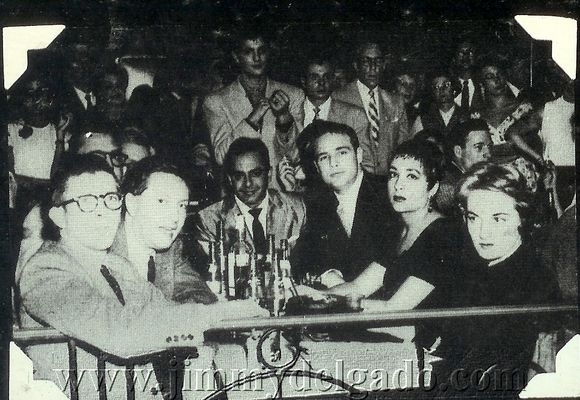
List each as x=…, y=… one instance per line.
x=416, y=270
x=500, y=268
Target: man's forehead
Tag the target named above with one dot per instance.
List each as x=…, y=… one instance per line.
x=166, y=182
x=315, y=68
x=252, y=43
x=371, y=50
x=99, y=182
x=332, y=141
x=247, y=162
x=477, y=136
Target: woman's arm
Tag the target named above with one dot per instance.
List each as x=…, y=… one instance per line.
x=409, y=295
x=364, y=285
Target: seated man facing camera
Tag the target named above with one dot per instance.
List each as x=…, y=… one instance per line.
x=251, y=205
x=76, y=286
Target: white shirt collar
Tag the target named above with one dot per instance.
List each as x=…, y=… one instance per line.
x=248, y=219
x=447, y=115
x=309, y=110
x=366, y=98
x=347, y=201
x=81, y=95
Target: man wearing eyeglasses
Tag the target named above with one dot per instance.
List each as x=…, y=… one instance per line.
x=442, y=115
x=388, y=125
x=77, y=286
x=251, y=206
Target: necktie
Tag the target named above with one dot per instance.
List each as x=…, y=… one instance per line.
x=343, y=218
x=89, y=100
x=258, y=232
x=316, y=113
x=113, y=284
x=465, y=95
x=374, y=118
x=151, y=270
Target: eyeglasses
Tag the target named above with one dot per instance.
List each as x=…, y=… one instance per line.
x=368, y=62
x=89, y=202
x=441, y=86
x=117, y=157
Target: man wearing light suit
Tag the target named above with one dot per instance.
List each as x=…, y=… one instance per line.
x=252, y=206
x=253, y=105
x=386, y=115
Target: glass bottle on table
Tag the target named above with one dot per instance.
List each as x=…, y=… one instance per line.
x=214, y=281
x=286, y=269
x=268, y=273
x=223, y=260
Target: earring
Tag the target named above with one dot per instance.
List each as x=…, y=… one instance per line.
x=430, y=204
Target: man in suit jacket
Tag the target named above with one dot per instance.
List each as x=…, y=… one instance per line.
x=156, y=197
x=463, y=69
x=443, y=114
x=317, y=82
x=388, y=125
x=99, y=299
x=253, y=105
x=348, y=223
x=253, y=207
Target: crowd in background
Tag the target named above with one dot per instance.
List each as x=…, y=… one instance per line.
x=425, y=151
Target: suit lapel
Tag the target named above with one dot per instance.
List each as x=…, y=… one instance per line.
x=120, y=246
x=239, y=103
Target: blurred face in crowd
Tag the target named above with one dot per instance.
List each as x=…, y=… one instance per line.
x=249, y=179
x=340, y=78
x=318, y=82
x=82, y=61
x=103, y=145
x=252, y=57
x=406, y=87
x=477, y=149
x=407, y=185
x=110, y=95
x=442, y=90
x=493, y=81
x=370, y=65
x=337, y=161
x=135, y=152
x=39, y=100
x=493, y=224
x=159, y=212
x=465, y=56
x=90, y=226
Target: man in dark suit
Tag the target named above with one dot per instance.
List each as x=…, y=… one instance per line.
x=388, y=125
x=348, y=224
x=443, y=114
x=463, y=69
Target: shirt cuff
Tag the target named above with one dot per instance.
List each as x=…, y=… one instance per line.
x=331, y=277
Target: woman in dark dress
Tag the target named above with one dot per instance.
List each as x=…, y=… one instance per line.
x=417, y=270
x=500, y=267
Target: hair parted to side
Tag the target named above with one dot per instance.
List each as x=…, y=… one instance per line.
x=137, y=177
x=498, y=178
x=427, y=153
x=75, y=165
x=459, y=135
x=242, y=146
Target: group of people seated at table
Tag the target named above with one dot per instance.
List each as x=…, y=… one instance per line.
x=448, y=210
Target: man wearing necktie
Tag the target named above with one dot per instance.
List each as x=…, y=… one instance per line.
x=349, y=219
x=250, y=205
x=317, y=79
x=463, y=65
x=386, y=115
x=77, y=286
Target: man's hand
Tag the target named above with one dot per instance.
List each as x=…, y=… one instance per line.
x=279, y=103
x=257, y=114
x=549, y=175
x=286, y=175
x=62, y=126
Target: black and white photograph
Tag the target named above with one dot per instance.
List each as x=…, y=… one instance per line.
x=289, y=199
